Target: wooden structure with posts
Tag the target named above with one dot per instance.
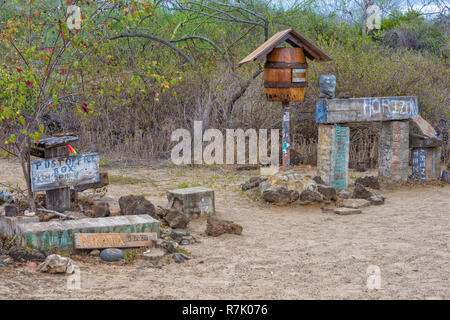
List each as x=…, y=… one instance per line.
x=58, y=170
x=286, y=73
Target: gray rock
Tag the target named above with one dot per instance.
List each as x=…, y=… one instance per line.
x=355, y=203
x=99, y=209
x=177, y=258
x=176, y=219
x=216, y=227
x=344, y=194
x=180, y=257
x=327, y=85
x=376, y=200
x=178, y=234
x=311, y=196
x=169, y=246
x=328, y=193
x=347, y=211
x=361, y=167
x=280, y=196
x=252, y=183
x=112, y=254
x=369, y=182
x=327, y=209
x=20, y=254
x=132, y=205
x=318, y=180
x=154, y=254
x=94, y=253
x=360, y=192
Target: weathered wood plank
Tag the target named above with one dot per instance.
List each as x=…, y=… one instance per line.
x=52, y=142
x=113, y=240
x=57, y=199
x=103, y=181
x=366, y=109
x=61, y=172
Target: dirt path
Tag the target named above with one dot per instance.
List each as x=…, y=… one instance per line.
x=284, y=252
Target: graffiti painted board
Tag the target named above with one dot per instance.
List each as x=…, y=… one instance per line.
x=113, y=240
x=340, y=157
x=418, y=164
x=366, y=109
x=55, y=173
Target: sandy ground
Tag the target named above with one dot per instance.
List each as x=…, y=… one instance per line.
x=292, y=252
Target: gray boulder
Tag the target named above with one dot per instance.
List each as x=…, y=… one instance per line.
x=176, y=219
x=361, y=192
x=216, y=227
x=328, y=193
x=132, y=205
x=310, y=196
x=368, y=182
x=280, y=196
x=111, y=254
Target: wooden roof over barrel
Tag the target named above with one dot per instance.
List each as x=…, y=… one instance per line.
x=295, y=39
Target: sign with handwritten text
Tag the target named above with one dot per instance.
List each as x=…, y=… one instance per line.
x=113, y=240
x=55, y=173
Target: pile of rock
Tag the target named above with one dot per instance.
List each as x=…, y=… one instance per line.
x=288, y=187
x=352, y=203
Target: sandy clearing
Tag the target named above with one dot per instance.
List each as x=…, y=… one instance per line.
x=293, y=252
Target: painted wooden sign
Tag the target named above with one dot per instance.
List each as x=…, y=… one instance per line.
x=54, y=173
x=366, y=109
x=340, y=157
x=113, y=240
x=418, y=164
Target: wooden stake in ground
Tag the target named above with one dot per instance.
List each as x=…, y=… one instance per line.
x=57, y=199
x=286, y=141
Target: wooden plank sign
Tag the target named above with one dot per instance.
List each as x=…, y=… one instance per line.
x=55, y=173
x=113, y=240
x=366, y=109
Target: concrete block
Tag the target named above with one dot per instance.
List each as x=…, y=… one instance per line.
x=426, y=163
x=193, y=201
x=59, y=234
x=326, y=136
x=421, y=141
x=424, y=127
x=8, y=225
x=333, y=155
x=393, y=151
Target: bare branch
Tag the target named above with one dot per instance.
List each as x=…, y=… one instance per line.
x=155, y=38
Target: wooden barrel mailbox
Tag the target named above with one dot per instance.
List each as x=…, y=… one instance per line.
x=285, y=75
x=285, y=69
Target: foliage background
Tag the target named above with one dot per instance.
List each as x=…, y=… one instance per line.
x=137, y=89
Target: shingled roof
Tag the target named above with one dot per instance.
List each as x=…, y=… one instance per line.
x=295, y=39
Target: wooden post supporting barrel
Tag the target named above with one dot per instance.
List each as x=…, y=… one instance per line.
x=286, y=140
x=285, y=80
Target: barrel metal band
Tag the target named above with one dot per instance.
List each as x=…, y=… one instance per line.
x=285, y=65
x=273, y=84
